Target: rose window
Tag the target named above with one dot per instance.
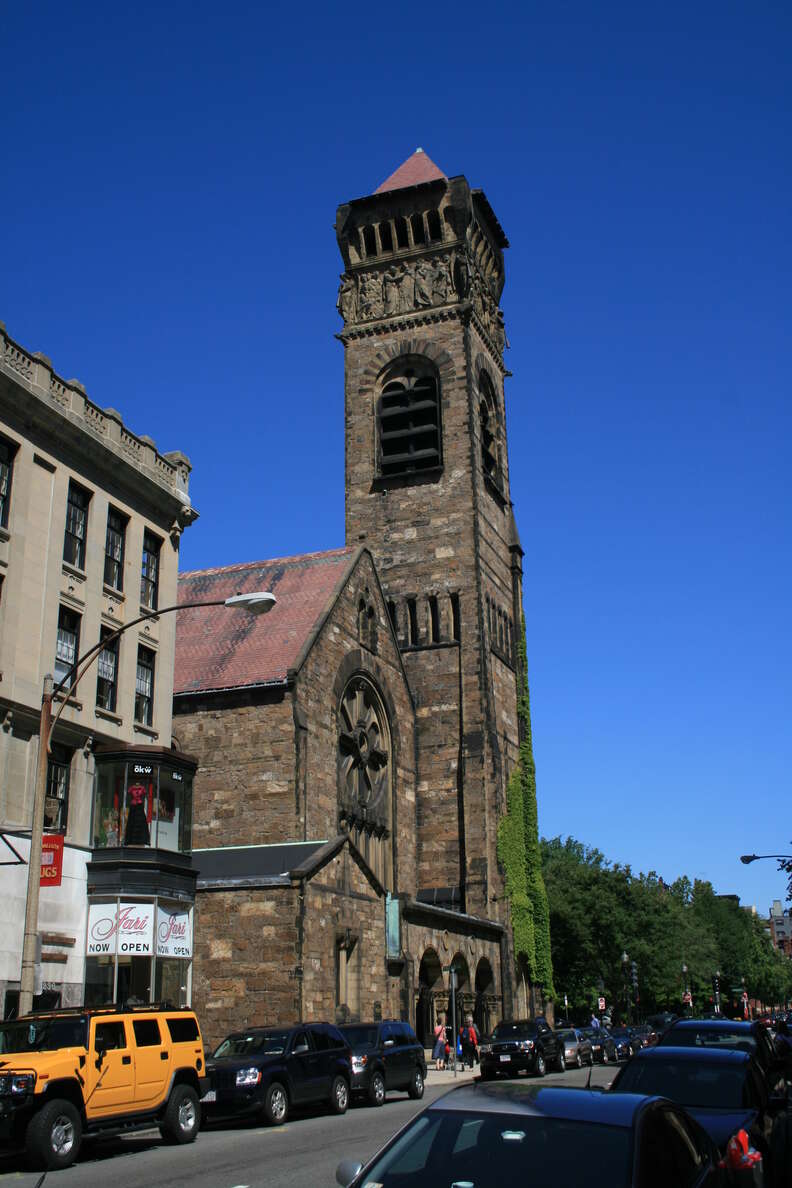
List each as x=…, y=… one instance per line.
x=363, y=758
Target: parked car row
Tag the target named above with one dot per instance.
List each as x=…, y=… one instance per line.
x=666, y=1119
x=78, y=1072
x=532, y=1046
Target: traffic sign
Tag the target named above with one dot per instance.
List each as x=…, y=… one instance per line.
x=687, y=997
x=602, y=1004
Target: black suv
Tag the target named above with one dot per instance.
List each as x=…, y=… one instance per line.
x=521, y=1045
x=268, y=1070
x=385, y=1056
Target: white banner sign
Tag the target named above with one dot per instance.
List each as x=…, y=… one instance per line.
x=174, y=932
x=127, y=929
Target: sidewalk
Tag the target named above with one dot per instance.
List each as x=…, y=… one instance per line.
x=446, y=1077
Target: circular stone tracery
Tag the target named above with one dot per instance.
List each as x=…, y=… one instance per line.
x=363, y=756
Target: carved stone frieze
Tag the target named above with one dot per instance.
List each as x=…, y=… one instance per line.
x=414, y=286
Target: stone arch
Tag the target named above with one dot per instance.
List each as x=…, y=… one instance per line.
x=430, y=1001
x=464, y=994
x=486, y=997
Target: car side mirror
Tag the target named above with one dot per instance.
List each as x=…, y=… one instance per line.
x=298, y=1051
x=389, y=1043
x=347, y=1170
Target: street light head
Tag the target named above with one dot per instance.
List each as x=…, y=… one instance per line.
x=746, y=858
x=259, y=602
x=625, y=957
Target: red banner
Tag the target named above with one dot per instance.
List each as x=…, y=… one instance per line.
x=51, y=859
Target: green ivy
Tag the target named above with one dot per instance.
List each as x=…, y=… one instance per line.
x=518, y=848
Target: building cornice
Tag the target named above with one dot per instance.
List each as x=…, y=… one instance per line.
x=62, y=409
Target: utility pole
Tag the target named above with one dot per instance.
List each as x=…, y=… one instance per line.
x=27, y=980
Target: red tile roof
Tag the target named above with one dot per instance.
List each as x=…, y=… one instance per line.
x=219, y=648
x=416, y=169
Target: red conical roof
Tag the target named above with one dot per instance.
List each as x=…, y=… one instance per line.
x=416, y=169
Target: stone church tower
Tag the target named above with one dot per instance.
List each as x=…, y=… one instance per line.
x=427, y=493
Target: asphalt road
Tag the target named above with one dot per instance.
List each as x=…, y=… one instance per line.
x=302, y=1154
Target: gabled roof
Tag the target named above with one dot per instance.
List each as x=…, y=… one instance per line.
x=232, y=867
x=218, y=648
x=414, y=171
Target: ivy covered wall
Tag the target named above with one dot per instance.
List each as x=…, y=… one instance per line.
x=518, y=849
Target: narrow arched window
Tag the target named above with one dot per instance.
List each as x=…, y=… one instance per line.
x=409, y=421
x=489, y=425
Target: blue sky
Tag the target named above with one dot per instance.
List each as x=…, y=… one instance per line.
x=169, y=183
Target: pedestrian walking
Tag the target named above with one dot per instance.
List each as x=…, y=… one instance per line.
x=439, y=1049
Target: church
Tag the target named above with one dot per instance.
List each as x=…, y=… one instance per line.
x=353, y=747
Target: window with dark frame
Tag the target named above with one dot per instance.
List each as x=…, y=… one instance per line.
x=144, y=687
x=149, y=573
x=409, y=424
x=67, y=644
x=76, y=526
x=107, y=673
x=56, y=804
x=7, y=451
x=114, y=549
x=489, y=423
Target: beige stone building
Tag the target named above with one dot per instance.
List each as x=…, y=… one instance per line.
x=90, y=520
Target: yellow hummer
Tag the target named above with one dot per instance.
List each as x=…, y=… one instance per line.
x=86, y=1071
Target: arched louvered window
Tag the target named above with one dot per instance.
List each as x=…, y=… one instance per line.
x=489, y=421
x=409, y=421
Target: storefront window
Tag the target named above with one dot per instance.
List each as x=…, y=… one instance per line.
x=138, y=952
x=99, y=980
x=142, y=803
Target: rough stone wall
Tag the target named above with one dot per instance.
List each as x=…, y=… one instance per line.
x=440, y=538
x=339, y=653
x=340, y=897
x=246, y=954
x=244, y=784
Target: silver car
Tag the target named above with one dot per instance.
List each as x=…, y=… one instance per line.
x=577, y=1048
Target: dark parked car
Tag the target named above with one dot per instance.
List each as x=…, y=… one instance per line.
x=645, y=1033
x=725, y=1090
x=626, y=1043
x=488, y=1136
x=603, y=1048
x=521, y=1045
x=726, y=1033
x=385, y=1056
x=268, y=1070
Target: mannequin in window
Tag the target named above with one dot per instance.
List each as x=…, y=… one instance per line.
x=137, y=829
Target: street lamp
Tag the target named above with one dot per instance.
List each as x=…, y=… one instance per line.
x=748, y=858
x=258, y=603
x=686, y=997
x=625, y=960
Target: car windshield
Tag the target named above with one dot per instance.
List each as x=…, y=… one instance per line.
x=567, y=1036
x=709, y=1037
x=43, y=1035
x=510, y=1030
x=254, y=1043
x=458, y=1147
x=620, y=1033
x=357, y=1036
x=690, y=1082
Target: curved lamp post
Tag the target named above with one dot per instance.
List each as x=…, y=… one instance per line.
x=747, y=858
x=257, y=603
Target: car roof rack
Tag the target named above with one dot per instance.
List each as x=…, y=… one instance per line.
x=110, y=1008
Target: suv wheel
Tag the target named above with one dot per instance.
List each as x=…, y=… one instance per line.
x=53, y=1135
x=182, y=1119
x=339, y=1096
x=604, y=1056
x=561, y=1062
x=276, y=1104
x=377, y=1089
x=416, y=1089
x=539, y=1067
x=579, y=1060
